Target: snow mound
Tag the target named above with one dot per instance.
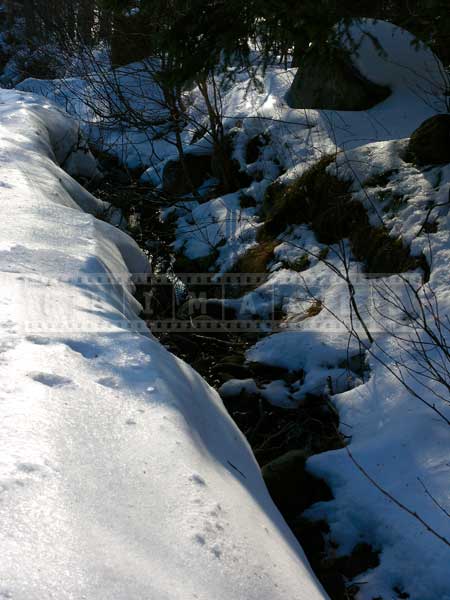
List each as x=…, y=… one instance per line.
x=389, y=55
x=121, y=474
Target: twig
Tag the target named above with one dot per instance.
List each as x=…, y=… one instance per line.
x=397, y=502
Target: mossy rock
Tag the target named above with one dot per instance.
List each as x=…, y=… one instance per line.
x=227, y=169
x=183, y=264
x=291, y=487
x=175, y=181
x=310, y=534
x=254, y=146
x=266, y=372
x=430, y=143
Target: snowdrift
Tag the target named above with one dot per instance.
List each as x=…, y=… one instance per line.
x=121, y=475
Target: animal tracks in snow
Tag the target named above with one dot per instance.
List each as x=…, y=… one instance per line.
x=86, y=349
x=50, y=380
x=110, y=382
x=211, y=537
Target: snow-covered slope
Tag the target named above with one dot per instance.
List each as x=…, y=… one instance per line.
x=121, y=475
x=393, y=435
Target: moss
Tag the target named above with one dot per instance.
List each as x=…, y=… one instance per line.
x=326, y=204
x=198, y=265
x=323, y=254
x=430, y=227
x=395, y=203
x=315, y=308
x=256, y=259
x=379, y=251
x=300, y=264
x=381, y=179
x=317, y=198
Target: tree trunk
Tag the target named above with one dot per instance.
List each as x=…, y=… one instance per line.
x=86, y=21
x=29, y=10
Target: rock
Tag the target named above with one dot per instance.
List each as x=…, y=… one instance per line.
x=332, y=82
x=227, y=169
x=247, y=201
x=362, y=558
x=292, y=488
x=235, y=370
x=209, y=307
x=356, y=363
x=254, y=147
x=430, y=142
x=119, y=176
x=246, y=400
x=267, y=372
x=234, y=358
x=334, y=585
x=310, y=534
x=174, y=178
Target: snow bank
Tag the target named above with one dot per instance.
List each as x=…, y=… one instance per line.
x=99, y=100
x=401, y=443
x=121, y=475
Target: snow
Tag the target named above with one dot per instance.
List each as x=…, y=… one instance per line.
x=121, y=474
x=98, y=101
x=206, y=226
x=296, y=138
x=294, y=351
x=234, y=387
x=400, y=442
x=392, y=435
x=391, y=56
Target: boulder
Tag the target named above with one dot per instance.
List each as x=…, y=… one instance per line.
x=228, y=170
x=267, y=372
x=430, y=142
x=175, y=181
x=292, y=488
x=362, y=558
x=233, y=370
x=331, y=81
